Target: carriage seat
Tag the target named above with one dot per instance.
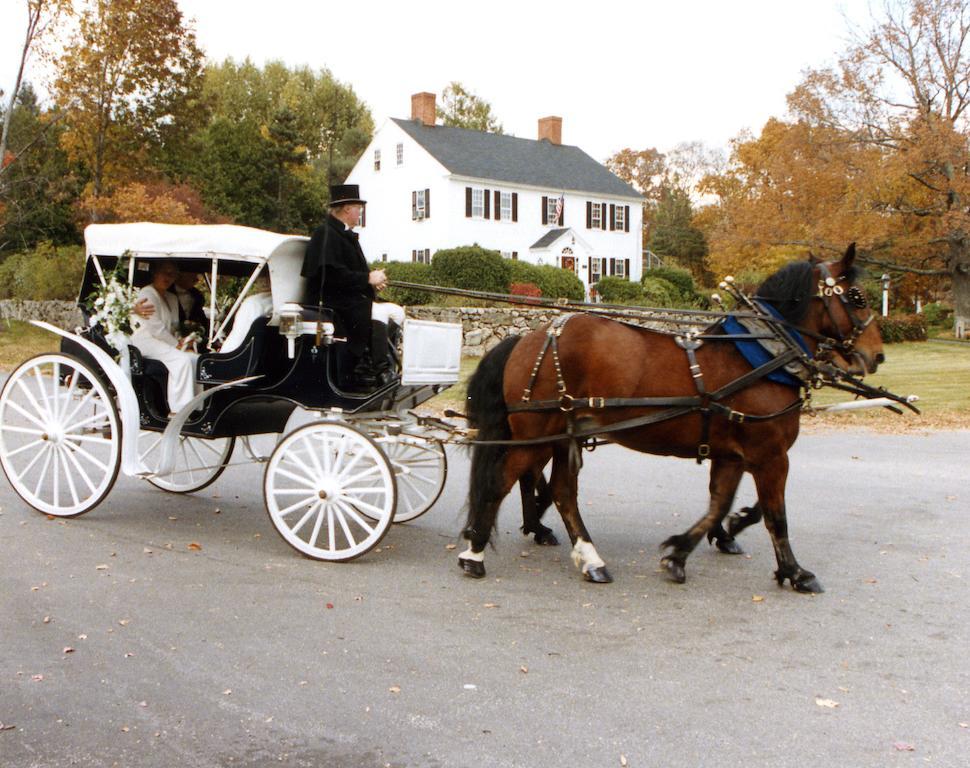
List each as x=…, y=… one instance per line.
x=220, y=367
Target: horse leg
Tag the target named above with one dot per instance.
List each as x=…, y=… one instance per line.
x=725, y=478
x=565, y=487
x=536, y=499
x=493, y=474
x=724, y=539
x=770, y=481
x=738, y=521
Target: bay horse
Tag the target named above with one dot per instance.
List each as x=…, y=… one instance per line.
x=663, y=394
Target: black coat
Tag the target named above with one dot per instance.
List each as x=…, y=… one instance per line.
x=345, y=279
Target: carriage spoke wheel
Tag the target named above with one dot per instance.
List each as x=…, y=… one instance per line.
x=60, y=435
x=330, y=491
x=198, y=462
x=420, y=468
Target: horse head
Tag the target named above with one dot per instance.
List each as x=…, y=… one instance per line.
x=840, y=313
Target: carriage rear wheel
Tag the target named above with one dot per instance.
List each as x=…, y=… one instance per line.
x=60, y=435
x=330, y=491
x=420, y=467
x=198, y=462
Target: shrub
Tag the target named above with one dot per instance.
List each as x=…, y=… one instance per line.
x=685, y=293
x=658, y=292
x=897, y=328
x=555, y=283
x=617, y=290
x=471, y=267
x=938, y=315
x=407, y=272
x=45, y=273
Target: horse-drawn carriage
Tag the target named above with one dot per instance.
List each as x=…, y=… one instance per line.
x=71, y=420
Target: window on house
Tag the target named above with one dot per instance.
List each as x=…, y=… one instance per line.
x=506, y=207
x=619, y=269
x=420, y=204
x=383, y=257
x=619, y=218
x=400, y=154
x=595, y=270
x=478, y=203
x=421, y=256
x=377, y=159
x=551, y=205
x=595, y=216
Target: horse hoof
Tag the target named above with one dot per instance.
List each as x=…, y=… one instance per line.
x=675, y=570
x=598, y=575
x=808, y=584
x=472, y=568
x=546, y=539
x=728, y=546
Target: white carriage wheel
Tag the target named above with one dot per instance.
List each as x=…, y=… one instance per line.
x=330, y=491
x=198, y=462
x=420, y=468
x=60, y=435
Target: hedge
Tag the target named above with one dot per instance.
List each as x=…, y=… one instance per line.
x=555, y=283
x=897, y=328
x=407, y=272
x=618, y=290
x=471, y=267
x=45, y=273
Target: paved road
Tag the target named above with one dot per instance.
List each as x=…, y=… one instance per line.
x=245, y=654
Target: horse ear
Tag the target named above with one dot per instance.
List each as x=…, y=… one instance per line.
x=848, y=258
x=813, y=259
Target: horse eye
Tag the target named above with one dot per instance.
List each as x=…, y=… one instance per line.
x=856, y=297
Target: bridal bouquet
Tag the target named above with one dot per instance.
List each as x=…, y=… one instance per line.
x=110, y=306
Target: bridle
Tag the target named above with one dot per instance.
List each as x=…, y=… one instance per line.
x=852, y=299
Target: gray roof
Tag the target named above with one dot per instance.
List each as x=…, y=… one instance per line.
x=493, y=157
x=549, y=238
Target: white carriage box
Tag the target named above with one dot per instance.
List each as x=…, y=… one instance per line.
x=432, y=352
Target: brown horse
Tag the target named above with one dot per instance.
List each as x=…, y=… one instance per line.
x=703, y=399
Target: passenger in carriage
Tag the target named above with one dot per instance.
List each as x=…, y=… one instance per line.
x=155, y=335
x=259, y=303
x=335, y=263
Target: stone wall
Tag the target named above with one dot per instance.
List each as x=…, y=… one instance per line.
x=483, y=327
x=63, y=314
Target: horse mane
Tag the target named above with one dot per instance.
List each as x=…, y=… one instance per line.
x=789, y=289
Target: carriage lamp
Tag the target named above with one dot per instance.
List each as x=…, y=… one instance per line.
x=291, y=325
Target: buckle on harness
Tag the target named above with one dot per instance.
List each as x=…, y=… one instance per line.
x=567, y=402
x=597, y=402
x=736, y=416
x=703, y=451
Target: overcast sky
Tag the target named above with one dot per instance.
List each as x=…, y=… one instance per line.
x=620, y=74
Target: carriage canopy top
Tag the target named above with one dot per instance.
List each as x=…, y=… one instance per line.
x=224, y=241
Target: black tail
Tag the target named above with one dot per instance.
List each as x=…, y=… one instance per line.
x=487, y=412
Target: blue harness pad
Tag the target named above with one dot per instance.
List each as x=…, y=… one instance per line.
x=755, y=354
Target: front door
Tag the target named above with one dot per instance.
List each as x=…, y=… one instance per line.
x=569, y=263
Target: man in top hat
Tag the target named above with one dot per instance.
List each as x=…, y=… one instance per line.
x=337, y=273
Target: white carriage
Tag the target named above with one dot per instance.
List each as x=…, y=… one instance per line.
x=71, y=420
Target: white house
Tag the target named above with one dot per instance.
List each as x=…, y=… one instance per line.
x=430, y=187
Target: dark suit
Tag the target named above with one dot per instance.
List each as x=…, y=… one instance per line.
x=196, y=313
x=345, y=280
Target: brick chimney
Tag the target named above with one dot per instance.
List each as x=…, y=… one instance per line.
x=422, y=108
x=550, y=128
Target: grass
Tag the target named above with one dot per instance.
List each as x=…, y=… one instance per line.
x=19, y=340
x=938, y=373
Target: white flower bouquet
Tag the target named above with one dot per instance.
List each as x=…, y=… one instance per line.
x=110, y=305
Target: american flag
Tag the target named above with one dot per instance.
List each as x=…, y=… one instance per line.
x=559, y=204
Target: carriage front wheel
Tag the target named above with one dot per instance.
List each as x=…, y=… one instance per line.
x=330, y=491
x=420, y=467
x=198, y=461
x=60, y=435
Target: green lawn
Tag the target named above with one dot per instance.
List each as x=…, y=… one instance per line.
x=18, y=341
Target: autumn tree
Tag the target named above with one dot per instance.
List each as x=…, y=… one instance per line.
x=460, y=108
x=129, y=80
x=674, y=236
x=43, y=17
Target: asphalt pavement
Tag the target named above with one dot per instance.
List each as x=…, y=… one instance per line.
x=164, y=630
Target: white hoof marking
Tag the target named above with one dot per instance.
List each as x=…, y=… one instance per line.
x=469, y=555
x=585, y=556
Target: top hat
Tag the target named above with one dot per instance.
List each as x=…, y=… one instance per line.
x=345, y=194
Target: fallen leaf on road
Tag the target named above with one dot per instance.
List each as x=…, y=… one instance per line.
x=101, y=567
x=872, y=581
x=147, y=551
x=394, y=689
x=965, y=725
x=47, y=619
x=4, y=727
x=194, y=546
x=227, y=692
x=123, y=622
x=757, y=598
x=329, y=605
x=37, y=678
x=82, y=637
x=903, y=746
x=623, y=762
x=491, y=605
x=524, y=670
x=828, y=703
x=68, y=649
x=451, y=546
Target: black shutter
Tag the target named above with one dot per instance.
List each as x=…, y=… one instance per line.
x=515, y=206
x=612, y=267
x=427, y=203
x=589, y=215
x=468, y=202
x=626, y=218
x=498, y=205
x=612, y=218
x=603, y=216
x=626, y=268
x=562, y=213
x=487, y=198
x=515, y=255
x=414, y=206
x=545, y=209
